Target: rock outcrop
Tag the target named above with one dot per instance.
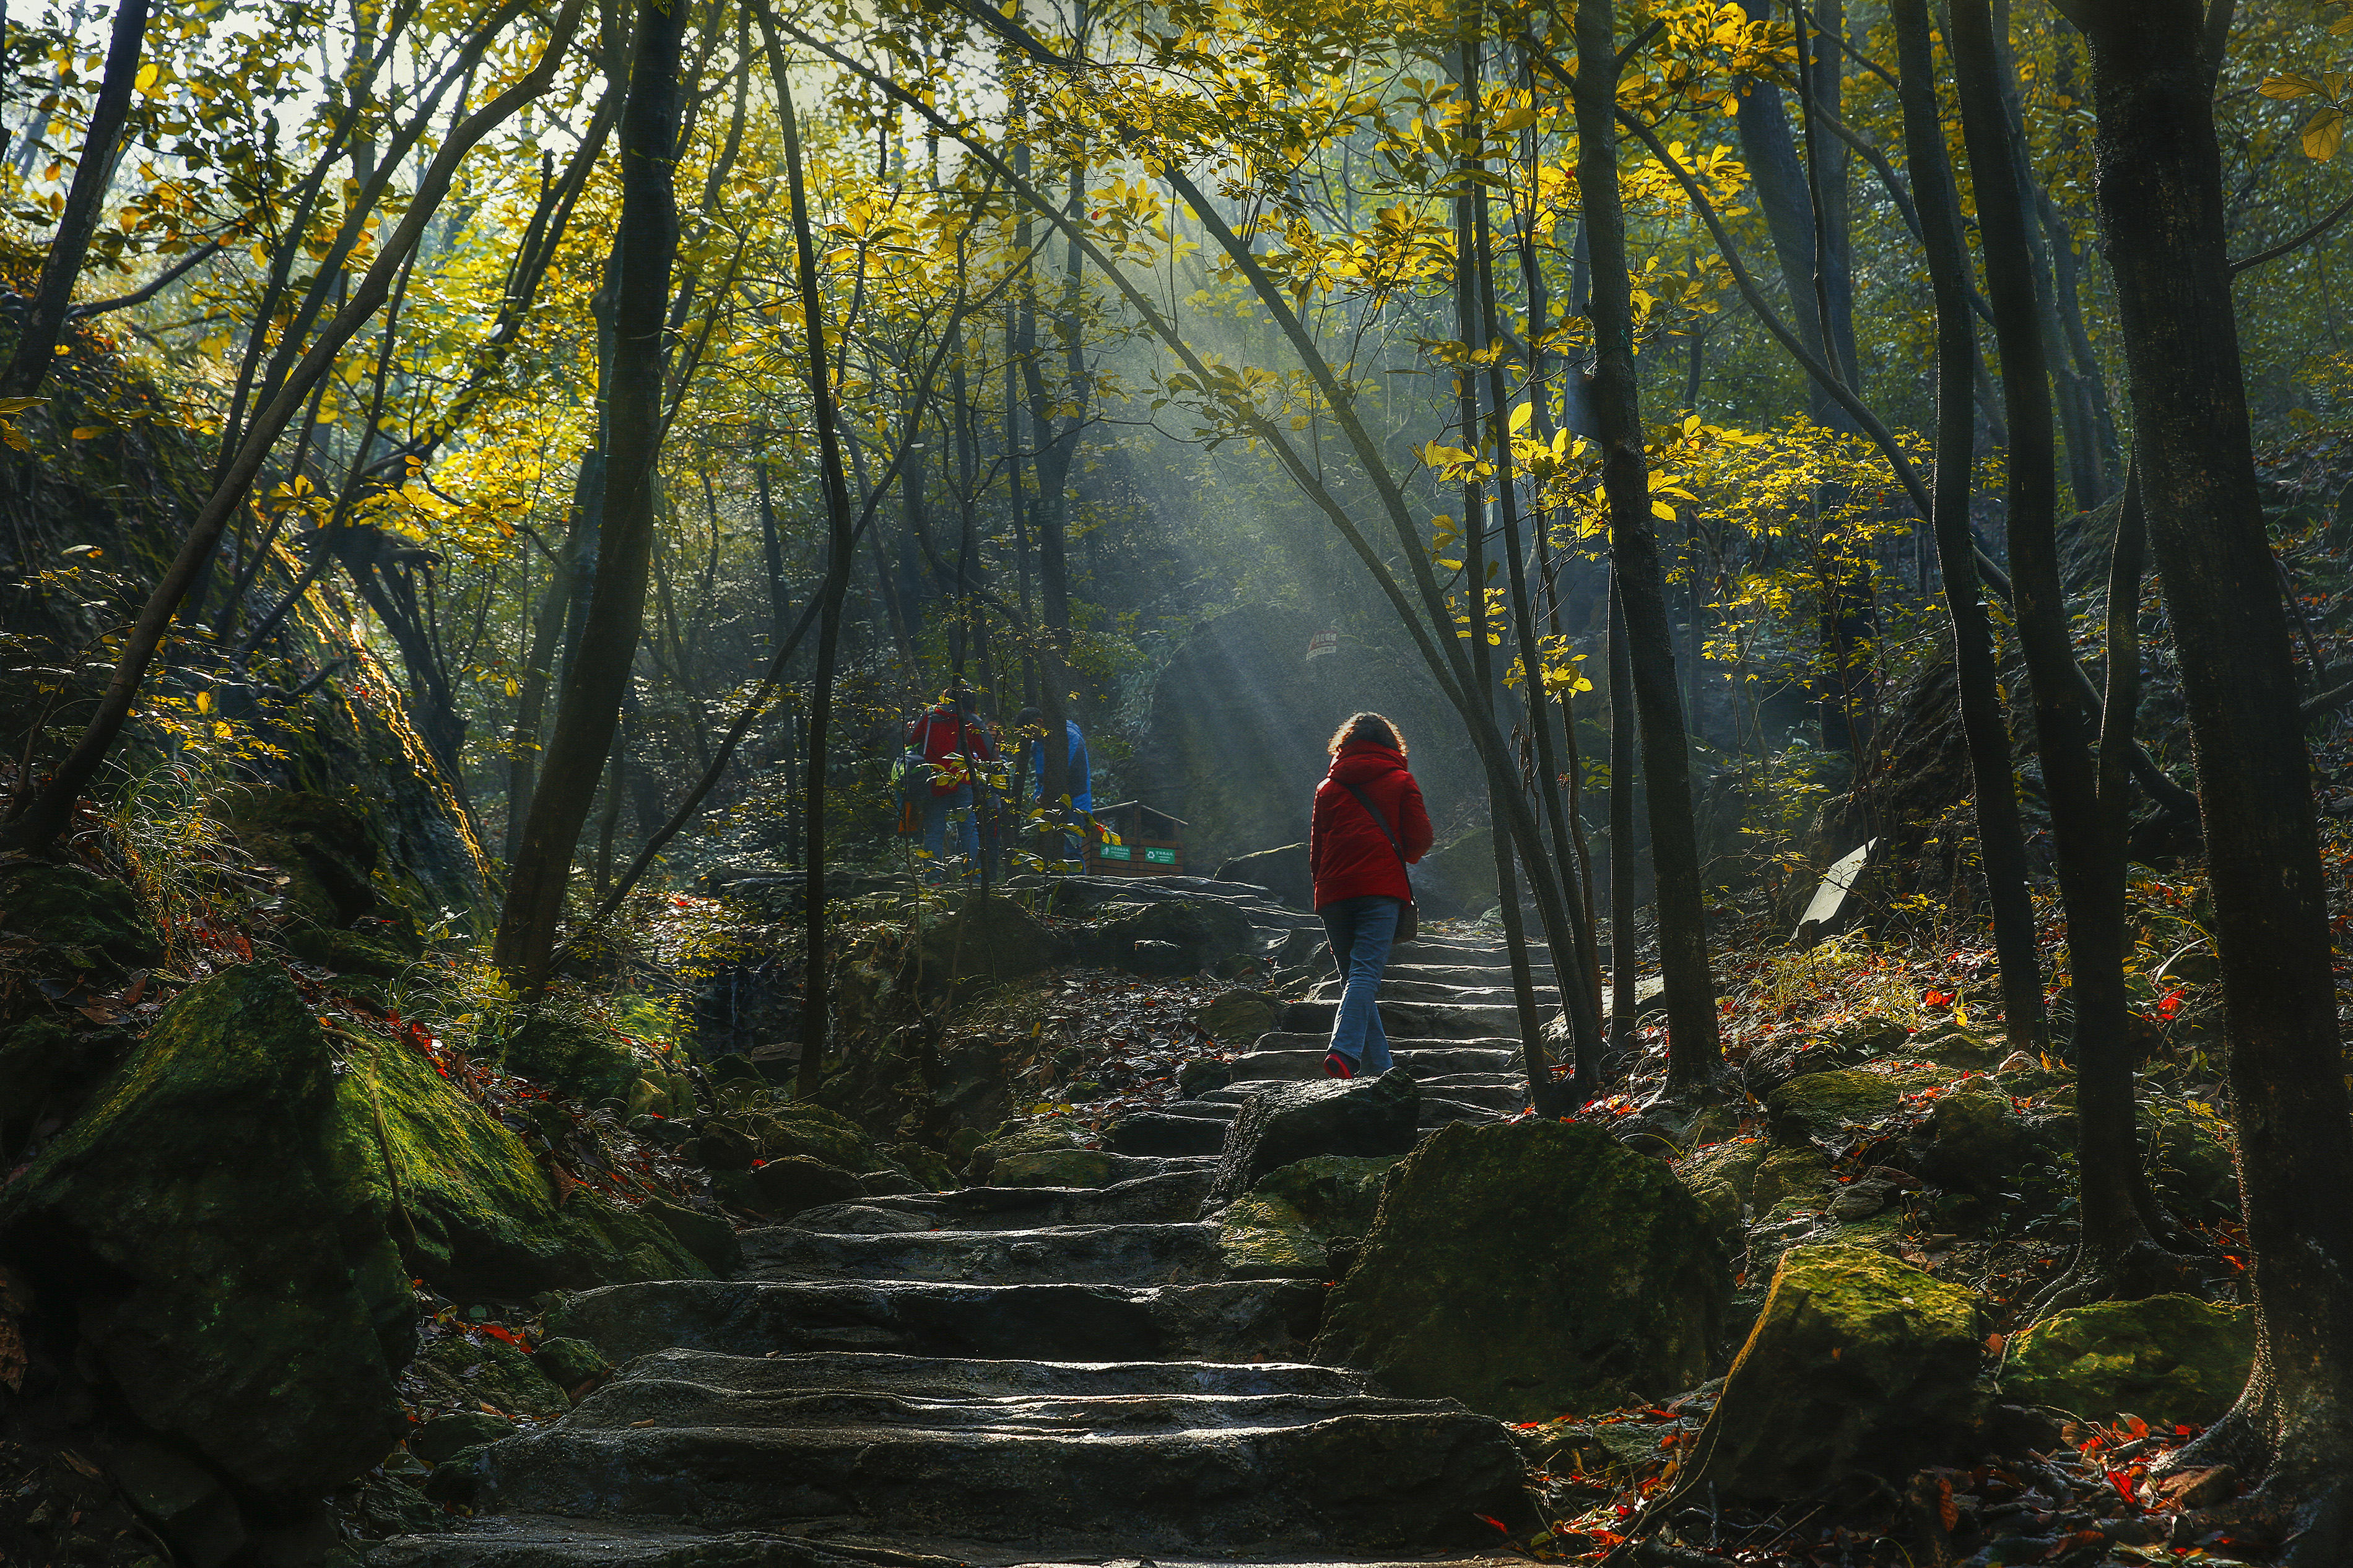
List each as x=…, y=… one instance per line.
x=1858, y=1365
x=1286, y=1122
x=2170, y=1360
x=1531, y=1269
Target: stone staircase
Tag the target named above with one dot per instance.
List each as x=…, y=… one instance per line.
x=1007, y=1375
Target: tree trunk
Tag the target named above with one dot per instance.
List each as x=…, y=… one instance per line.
x=588, y=706
x=1695, y=1055
x=2117, y=1255
x=2161, y=215
x=2001, y=841
x=1624, y=857
x=841, y=548
x=45, y=316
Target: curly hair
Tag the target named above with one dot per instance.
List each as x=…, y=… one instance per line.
x=1367, y=730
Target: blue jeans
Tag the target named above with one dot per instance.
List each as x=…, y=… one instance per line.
x=935, y=825
x=1360, y=931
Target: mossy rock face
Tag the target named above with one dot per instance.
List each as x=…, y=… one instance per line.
x=467, y=1371
x=253, y=1305
x=2187, y=1154
x=94, y=919
x=1821, y=1104
x=1468, y=1287
x=1457, y=878
x=485, y=1212
x=996, y=938
x=1282, y=871
x=2170, y=1360
x=350, y=951
x=1202, y=931
x=1238, y=1017
x=1857, y=1365
x=1063, y=1167
x=1787, y=1175
x=1721, y=1177
x=1844, y=1044
x=1284, y=1227
x=320, y=843
x=1980, y=1142
x=576, y=1059
x=1956, y=1045
x=1049, y=1136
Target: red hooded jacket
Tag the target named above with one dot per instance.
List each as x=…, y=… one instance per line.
x=1347, y=853
x=941, y=736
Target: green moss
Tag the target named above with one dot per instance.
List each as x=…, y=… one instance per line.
x=1336, y=1193
x=2188, y=1154
x=1468, y=1286
x=1721, y=1177
x=482, y=1217
x=1822, y=1103
x=1265, y=1237
x=2170, y=1360
x=1047, y=1136
x=577, y=1059
x=1054, y=1168
x=92, y=917
x=1790, y=1175
x=1857, y=1364
x=260, y=1308
x=468, y=1369
x=1957, y=1045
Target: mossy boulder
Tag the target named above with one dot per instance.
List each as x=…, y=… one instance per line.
x=1282, y=871
x=1721, y=1177
x=1361, y=1118
x=1858, y=1365
x=93, y=919
x=467, y=1369
x=1788, y=1174
x=375, y=953
x=1046, y=1135
x=1468, y=1287
x=1201, y=931
x=784, y=1187
x=1822, y=1104
x=482, y=1218
x=992, y=939
x=1979, y=1143
x=577, y=1059
x=1237, y=1017
x=1457, y=878
x=1956, y=1045
x=1064, y=1167
x=321, y=846
x=2170, y=1360
x=237, y=1287
x=1286, y=1225
x=1847, y=1044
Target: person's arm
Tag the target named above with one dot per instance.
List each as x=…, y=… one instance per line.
x=1413, y=826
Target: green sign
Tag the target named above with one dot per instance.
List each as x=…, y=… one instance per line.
x=1160, y=857
x=1115, y=852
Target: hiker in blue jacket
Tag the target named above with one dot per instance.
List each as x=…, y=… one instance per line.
x=1079, y=780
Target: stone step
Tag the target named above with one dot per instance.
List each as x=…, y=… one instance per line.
x=1505, y=1092
x=1123, y=1169
x=1164, y=1199
x=1435, y=1113
x=1159, y=1132
x=1121, y=1453
x=1293, y=1067
x=1410, y=1018
x=1496, y=994
x=1235, y=1321
x=1286, y=1041
x=1092, y=1254
x=1497, y=974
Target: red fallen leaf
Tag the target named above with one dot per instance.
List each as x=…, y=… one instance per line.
x=2170, y=1004
x=496, y=1332
x=1936, y=999
x=1498, y=1523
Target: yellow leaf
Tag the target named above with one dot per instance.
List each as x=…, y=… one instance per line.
x=2324, y=134
x=2288, y=84
x=84, y=432
x=1661, y=511
x=1521, y=416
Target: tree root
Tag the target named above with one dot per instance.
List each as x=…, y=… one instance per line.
x=2137, y=1270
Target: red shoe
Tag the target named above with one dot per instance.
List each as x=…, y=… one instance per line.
x=1337, y=1066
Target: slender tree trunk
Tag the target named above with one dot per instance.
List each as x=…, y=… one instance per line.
x=45, y=316
x=2161, y=215
x=841, y=550
x=1624, y=857
x=2001, y=839
x=1695, y=1055
x=2115, y=1254
x=588, y=706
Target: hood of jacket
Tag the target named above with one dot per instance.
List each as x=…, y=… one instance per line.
x=1359, y=764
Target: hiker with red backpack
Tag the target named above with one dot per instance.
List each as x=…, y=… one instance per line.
x=953, y=743
x=1368, y=825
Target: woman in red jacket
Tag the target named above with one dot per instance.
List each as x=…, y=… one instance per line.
x=1369, y=823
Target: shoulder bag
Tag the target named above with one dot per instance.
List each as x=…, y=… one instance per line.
x=1409, y=924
